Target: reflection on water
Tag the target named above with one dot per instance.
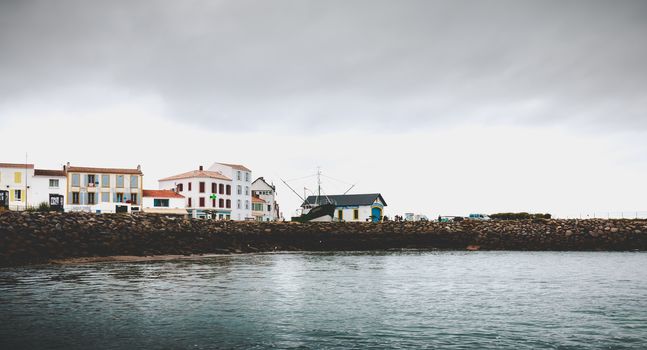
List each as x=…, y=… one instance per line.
x=327, y=300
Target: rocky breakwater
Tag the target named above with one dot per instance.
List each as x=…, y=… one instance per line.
x=32, y=237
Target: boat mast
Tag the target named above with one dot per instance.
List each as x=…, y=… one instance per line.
x=318, y=183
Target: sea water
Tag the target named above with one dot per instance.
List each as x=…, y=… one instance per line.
x=455, y=300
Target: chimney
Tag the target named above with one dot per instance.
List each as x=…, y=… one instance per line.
x=139, y=167
x=200, y=168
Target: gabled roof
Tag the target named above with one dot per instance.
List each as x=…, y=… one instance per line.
x=197, y=173
x=235, y=166
x=347, y=199
x=14, y=165
x=85, y=169
x=47, y=172
x=161, y=194
x=262, y=179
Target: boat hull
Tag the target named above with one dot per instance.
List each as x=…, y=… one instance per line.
x=321, y=213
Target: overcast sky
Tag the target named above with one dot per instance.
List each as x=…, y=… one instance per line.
x=443, y=107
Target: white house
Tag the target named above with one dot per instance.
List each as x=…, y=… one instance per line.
x=241, y=182
x=266, y=192
x=15, y=181
x=208, y=194
x=353, y=207
x=48, y=186
x=103, y=190
x=166, y=202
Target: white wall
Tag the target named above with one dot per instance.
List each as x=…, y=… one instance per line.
x=245, y=181
x=7, y=183
x=174, y=203
x=40, y=189
x=195, y=194
x=270, y=199
x=365, y=212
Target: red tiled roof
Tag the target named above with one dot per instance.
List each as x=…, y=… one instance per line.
x=161, y=194
x=81, y=169
x=197, y=173
x=236, y=166
x=257, y=200
x=12, y=165
x=46, y=172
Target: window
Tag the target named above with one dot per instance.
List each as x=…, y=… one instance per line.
x=221, y=203
x=246, y=190
x=189, y=186
x=228, y=189
x=228, y=204
x=120, y=197
x=120, y=181
x=239, y=189
x=201, y=202
x=355, y=214
x=246, y=204
x=214, y=187
x=340, y=214
x=91, y=181
x=180, y=187
x=201, y=187
x=190, y=203
x=17, y=195
x=238, y=204
x=213, y=202
x=76, y=179
x=134, y=181
x=105, y=181
x=160, y=202
x=105, y=197
x=221, y=189
x=269, y=207
x=133, y=198
x=257, y=206
x=53, y=183
x=91, y=198
x=247, y=177
x=17, y=177
x=238, y=175
x=75, y=197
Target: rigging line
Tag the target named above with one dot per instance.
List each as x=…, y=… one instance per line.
x=330, y=177
x=301, y=178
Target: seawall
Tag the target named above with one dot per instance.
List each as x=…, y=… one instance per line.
x=33, y=237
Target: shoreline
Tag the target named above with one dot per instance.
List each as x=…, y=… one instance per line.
x=32, y=238
x=175, y=257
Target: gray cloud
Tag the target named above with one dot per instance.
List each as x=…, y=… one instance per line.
x=333, y=65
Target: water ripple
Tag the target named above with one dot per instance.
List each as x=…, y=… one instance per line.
x=416, y=300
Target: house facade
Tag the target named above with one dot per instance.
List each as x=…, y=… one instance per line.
x=353, y=207
x=208, y=194
x=165, y=202
x=15, y=183
x=266, y=192
x=259, y=209
x=241, y=182
x=48, y=186
x=103, y=190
